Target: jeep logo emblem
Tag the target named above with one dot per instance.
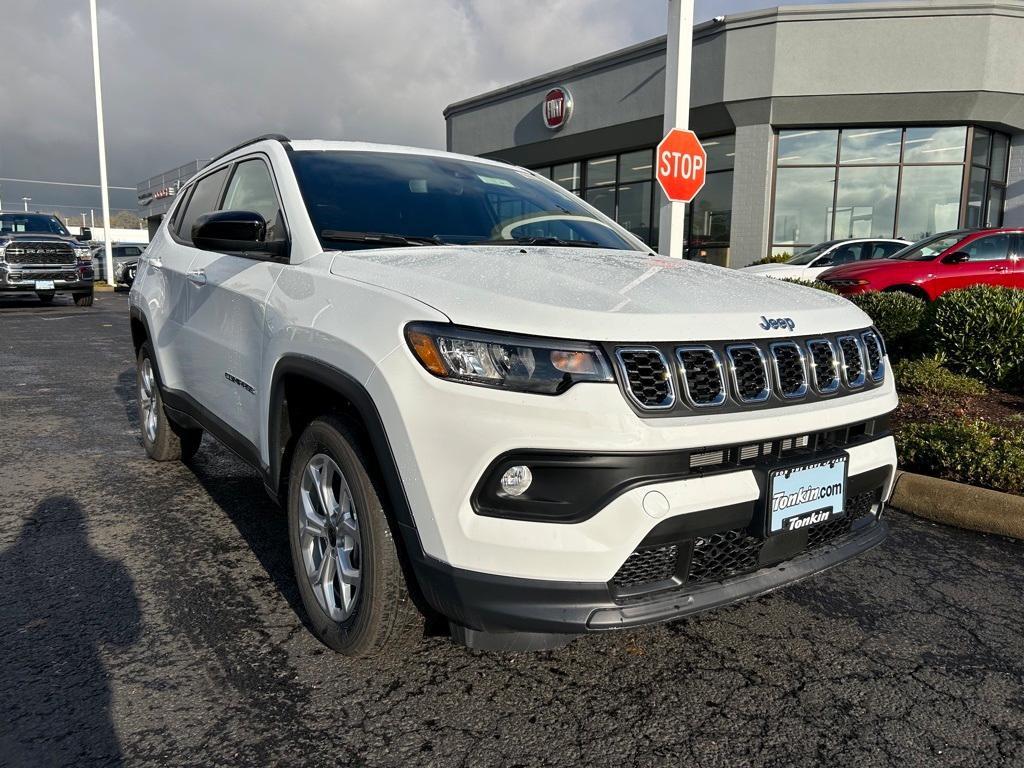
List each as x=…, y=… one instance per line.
x=777, y=322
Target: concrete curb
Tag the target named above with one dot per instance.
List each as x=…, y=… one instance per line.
x=964, y=506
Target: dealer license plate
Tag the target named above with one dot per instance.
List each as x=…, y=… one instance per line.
x=44, y=285
x=806, y=495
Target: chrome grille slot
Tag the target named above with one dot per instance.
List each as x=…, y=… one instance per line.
x=852, y=361
x=22, y=252
x=873, y=353
x=647, y=376
x=824, y=366
x=701, y=369
x=748, y=372
x=707, y=459
x=788, y=363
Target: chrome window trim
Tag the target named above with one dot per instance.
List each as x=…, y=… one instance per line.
x=765, y=393
x=671, y=400
x=802, y=391
x=824, y=391
x=879, y=376
x=723, y=393
x=858, y=382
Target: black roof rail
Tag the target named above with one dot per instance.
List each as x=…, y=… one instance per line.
x=265, y=137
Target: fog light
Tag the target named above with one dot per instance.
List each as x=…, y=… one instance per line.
x=516, y=480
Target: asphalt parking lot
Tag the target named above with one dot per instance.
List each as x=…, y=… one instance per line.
x=148, y=615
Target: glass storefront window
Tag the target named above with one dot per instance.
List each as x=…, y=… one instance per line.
x=601, y=171
x=803, y=204
x=711, y=219
x=979, y=146
x=635, y=207
x=994, y=209
x=721, y=151
x=976, y=196
x=873, y=146
x=935, y=145
x=567, y=175
x=866, y=202
x=636, y=166
x=1000, y=150
x=545, y=171
x=929, y=200
x=808, y=147
x=603, y=199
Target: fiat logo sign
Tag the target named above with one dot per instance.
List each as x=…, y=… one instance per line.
x=557, y=108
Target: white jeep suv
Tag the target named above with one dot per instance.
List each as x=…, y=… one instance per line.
x=480, y=399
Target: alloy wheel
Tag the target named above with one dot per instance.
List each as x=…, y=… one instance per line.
x=329, y=537
x=147, y=399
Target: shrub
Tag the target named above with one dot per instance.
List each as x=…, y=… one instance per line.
x=967, y=451
x=899, y=317
x=775, y=258
x=811, y=284
x=927, y=376
x=980, y=331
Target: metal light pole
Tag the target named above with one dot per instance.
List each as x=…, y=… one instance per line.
x=678, y=55
x=102, y=143
x=26, y=200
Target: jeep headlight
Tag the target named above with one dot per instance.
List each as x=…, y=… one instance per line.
x=518, y=363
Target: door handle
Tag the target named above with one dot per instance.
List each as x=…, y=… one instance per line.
x=999, y=268
x=156, y=264
x=197, y=276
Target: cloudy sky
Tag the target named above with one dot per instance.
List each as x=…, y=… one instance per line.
x=187, y=78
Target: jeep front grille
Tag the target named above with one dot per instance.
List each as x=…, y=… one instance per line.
x=762, y=373
x=703, y=383
x=852, y=362
x=648, y=378
x=824, y=366
x=873, y=353
x=22, y=252
x=788, y=363
x=748, y=372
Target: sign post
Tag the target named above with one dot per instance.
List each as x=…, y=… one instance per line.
x=679, y=52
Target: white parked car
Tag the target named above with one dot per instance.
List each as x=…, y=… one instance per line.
x=807, y=265
x=481, y=399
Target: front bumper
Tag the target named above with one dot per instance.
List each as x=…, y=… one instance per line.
x=498, y=604
x=65, y=279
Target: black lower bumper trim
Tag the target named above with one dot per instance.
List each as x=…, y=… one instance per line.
x=489, y=603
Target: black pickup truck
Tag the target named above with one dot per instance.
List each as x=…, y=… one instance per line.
x=39, y=255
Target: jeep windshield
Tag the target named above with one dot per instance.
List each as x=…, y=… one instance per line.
x=16, y=223
x=359, y=200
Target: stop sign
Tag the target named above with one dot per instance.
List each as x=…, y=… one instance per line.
x=682, y=163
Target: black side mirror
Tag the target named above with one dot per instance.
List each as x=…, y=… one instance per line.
x=85, y=235
x=957, y=257
x=236, y=232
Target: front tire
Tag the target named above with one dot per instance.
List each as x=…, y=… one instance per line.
x=162, y=438
x=345, y=558
x=82, y=299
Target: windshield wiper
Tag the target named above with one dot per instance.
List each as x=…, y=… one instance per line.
x=378, y=238
x=540, y=241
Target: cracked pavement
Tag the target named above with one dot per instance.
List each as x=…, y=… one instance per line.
x=148, y=616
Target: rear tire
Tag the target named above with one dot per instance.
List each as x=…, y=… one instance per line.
x=83, y=299
x=46, y=297
x=344, y=556
x=162, y=438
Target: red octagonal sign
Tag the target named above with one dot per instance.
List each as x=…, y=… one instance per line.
x=682, y=163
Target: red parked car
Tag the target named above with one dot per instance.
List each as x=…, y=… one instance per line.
x=937, y=264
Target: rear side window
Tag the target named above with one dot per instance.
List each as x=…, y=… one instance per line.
x=252, y=189
x=844, y=254
x=885, y=250
x=203, y=200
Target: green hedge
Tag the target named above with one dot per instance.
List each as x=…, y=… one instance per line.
x=777, y=258
x=927, y=376
x=899, y=317
x=810, y=284
x=967, y=451
x=980, y=331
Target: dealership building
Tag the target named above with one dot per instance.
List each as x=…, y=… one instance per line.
x=819, y=122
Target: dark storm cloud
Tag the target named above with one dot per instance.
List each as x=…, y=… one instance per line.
x=187, y=78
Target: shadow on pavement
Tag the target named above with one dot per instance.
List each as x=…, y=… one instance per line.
x=61, y=602
x=125, y=391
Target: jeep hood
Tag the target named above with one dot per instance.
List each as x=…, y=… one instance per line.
x=595, y=294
